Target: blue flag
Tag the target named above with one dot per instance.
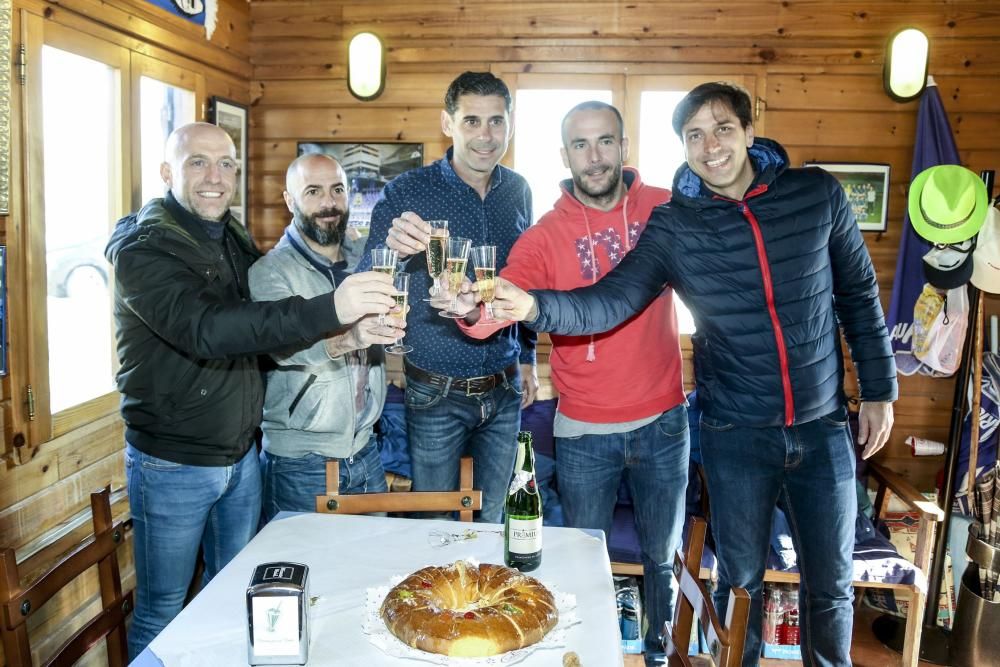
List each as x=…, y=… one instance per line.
x=934, y=145
x=202, y=12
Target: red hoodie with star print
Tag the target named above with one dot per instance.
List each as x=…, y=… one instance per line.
x=632, y=371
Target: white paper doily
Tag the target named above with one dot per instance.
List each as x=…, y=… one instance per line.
x=388, y=643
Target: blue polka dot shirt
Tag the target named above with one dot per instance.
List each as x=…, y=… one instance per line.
x=436, y=192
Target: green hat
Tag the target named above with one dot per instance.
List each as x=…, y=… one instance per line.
x=948, y=204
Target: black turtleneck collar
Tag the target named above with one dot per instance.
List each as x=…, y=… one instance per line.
x=214, y=228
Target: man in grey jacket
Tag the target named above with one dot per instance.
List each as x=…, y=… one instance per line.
x=322, y=401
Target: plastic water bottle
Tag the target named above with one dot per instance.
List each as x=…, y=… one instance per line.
x=630, y=612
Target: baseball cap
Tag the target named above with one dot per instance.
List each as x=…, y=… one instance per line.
x=986, y=257
x=947, y=204
x=948, y=266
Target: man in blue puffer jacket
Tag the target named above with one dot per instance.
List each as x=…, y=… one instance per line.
x=773, y=266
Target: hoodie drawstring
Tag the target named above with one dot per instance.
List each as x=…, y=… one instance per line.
x=591, y=347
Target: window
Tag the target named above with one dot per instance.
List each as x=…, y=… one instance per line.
x=96, y=118
x=80, y=202
x=661, y=151
x=538, y=115
x=164, y=98
x=164, y=108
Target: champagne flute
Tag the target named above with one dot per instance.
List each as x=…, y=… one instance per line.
x=384, y=261
x=455, y=262
x=401, y=282
x=484, y=261
x=437, y=251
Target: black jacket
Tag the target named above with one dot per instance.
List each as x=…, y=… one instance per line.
x=188, y=335
x=770, y=281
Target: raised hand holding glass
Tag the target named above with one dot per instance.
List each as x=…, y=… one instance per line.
x=384, y=261
x=401, y=281
x=484, y=262
x=455, y=263
x=437, y=253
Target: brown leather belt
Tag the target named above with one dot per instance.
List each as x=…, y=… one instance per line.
x=471, y=386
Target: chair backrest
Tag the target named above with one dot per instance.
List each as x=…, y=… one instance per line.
x=725, y=640
x=18, y=602
x=463, y=501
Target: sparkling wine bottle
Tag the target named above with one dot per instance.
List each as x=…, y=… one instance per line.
x=523, y=534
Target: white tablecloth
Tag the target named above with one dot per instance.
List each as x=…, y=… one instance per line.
x=347, y=555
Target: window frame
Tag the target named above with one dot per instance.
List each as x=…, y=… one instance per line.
x=29, y=362
x=172, y=75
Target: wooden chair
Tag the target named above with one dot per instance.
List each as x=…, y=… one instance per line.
x=725, y=641
x=464, y=501
x=18, y=602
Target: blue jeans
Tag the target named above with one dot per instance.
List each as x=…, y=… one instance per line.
x=442, y=425
x=654, y=462
x=292, y=484
x=175, y=508
x=812, y=465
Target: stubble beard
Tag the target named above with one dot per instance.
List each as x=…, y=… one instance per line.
x=605, y=194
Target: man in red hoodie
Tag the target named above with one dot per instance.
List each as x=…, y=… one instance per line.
x=621, y=402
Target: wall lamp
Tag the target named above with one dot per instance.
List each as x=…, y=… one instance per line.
x=366, y=66
x=904, y=73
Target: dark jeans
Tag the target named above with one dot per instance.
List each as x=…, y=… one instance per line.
x=442, y=425
x=654, y=462
x=813, y=465
x=292, y=484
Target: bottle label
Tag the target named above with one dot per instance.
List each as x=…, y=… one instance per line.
x=525, y=536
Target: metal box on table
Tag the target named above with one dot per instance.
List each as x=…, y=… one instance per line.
x=278, y=614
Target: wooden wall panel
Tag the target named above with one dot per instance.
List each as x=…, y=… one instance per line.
x=819, y=66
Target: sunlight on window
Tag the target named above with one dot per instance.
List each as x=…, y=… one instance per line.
x=538, y=118
x=80, y=102
x=163, y=109
x=660, y=151
x=660, y=154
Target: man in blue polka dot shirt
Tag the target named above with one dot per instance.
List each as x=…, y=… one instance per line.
x=462, y=395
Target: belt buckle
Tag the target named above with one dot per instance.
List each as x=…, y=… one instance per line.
x=468, y=386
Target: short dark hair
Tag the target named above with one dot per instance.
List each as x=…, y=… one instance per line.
x=476, y=83
x=730, y=94
x=594, y=105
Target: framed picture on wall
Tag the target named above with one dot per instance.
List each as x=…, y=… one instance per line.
x=867, y=190
x=369, y=167
x=233, y=118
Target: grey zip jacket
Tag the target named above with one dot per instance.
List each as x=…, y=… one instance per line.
x=309, y=404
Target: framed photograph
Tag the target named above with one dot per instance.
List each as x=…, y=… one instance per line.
x=233, y=118
x=867, y=190
x=369, y=167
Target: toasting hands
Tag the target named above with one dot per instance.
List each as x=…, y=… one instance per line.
x=513, y=303
x=408, y=235
x=467, y=303
x=368, y=293
x=366, y=332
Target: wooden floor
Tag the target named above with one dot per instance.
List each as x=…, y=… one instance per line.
x=866, y=651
